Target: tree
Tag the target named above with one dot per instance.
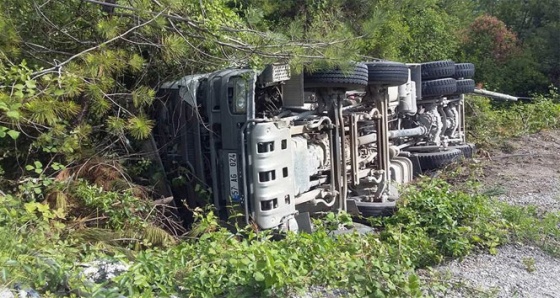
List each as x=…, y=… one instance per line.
x=490, y=46
x=78, y=75
x=536, y=24
x=432, y=32
x=413, y=31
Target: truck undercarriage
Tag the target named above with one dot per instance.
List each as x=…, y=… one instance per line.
x=279, y=145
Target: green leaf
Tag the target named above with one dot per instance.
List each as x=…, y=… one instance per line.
x=13, y=114
x=143, y=96
x=38, y=164
x=43, y=208
x=30, y=84
x=359, y=277
x=115, y=125
x=258, y=276
x=13, y=134
x=30, y=207
x=136, y=62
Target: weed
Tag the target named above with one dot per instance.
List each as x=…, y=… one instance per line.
x=435, y=222
x=492, y=123
x=527, y=225
x=529, y=263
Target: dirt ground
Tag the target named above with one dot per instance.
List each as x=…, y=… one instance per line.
x=526, y=170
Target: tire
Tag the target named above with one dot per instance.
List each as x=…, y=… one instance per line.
x=465, y=86
x=438, y=69
x=387, y=73
x=467, y=149
x=435, y=160
x=335, y=78
x=370, y=209
x=464, y=71
x=439, y=87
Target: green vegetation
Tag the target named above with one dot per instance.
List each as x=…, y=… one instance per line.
x=490, y=122
x=530, y=225
x=77, y=79
x=44, y=246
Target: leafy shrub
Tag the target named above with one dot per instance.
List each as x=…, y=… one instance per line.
x=220, y=264
x=122, y=209
x=32, y=251
x=435, y=222
x=491, y=122
x=39, y=253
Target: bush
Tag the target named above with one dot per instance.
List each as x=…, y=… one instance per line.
x=432, y=224
x=220, y=265
x=491, y=122
x=32, y=251
x=39, y=251
x=435, y=222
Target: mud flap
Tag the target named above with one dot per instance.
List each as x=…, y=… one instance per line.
x=416, y=169
x=304, y=222
x=352, y=208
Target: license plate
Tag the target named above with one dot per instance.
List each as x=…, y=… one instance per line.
x=233, y=177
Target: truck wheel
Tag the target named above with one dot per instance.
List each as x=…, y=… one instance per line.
x=464, y=71
x=434, y=160
x=439, y=87
x=438, y=69
x=387, y=73
x=336, y=78
x=372, y=209
x=467, y=149
x=465, y=86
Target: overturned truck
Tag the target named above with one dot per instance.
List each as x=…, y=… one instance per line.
x=281, y=146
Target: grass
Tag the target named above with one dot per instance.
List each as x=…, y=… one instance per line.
x=435, y=223
x=529, y=226
x=492, y=123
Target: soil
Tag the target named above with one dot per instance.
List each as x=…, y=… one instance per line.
x=525, y=171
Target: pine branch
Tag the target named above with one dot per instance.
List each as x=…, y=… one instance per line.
x=58, y=67
x=234, y=43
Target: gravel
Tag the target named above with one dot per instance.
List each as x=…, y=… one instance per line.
x=545, y=202
x=515, y=271
x=100, y=271
x=323, y=292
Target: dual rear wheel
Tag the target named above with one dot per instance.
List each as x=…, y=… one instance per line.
x=441, y=78
x=385, y=73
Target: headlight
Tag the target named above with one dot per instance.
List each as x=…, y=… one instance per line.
x=240, y=95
